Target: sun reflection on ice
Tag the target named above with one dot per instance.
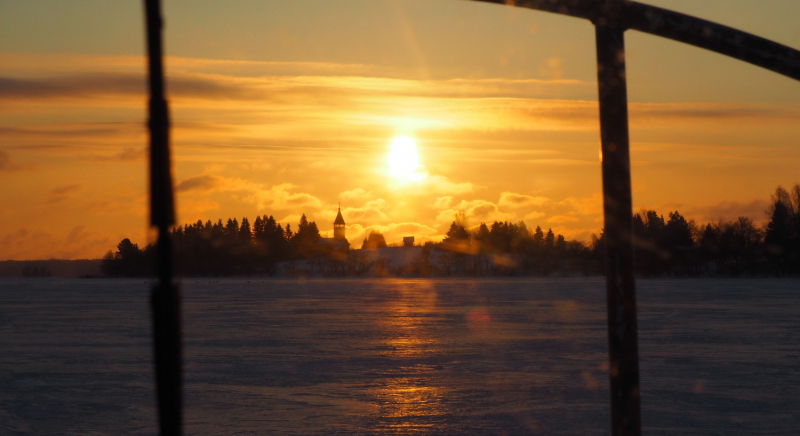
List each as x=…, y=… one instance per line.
x=410, y=396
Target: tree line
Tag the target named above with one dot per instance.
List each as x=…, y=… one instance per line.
x=663, y=246
x=676, y=246
x=222, y=249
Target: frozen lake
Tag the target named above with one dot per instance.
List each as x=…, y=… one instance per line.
x=395, y=356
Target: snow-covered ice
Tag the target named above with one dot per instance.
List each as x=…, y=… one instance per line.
x=400, y=356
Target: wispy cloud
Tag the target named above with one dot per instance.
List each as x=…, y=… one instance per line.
x=443, y=202
x=128, y=154
x=61, y=193
x=76, y=85
x=560, y=219
x=354, y=194
x=437, y=184
x=78, y=243
x=477, y=211
x=280, y=197
x=755, y=209
x=8, y=165
x=276, y=197
x=514, y=200
x=372, y=211
x=206, y=182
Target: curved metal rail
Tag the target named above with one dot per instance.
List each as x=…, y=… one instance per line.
x=611, y=18
x=676, y=26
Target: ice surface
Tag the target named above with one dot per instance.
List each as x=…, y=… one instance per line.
x=391, y=356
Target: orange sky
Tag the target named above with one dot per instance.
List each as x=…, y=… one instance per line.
x=285, y=108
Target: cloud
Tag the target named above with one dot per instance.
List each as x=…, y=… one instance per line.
x=558, y=219
x=214, y=167
x=66, y=189
x=61, y=193
x=87, y=141
x=512, y=200
x=488, y=212
x=207, y=182
x=191, y=86
x=703, y=112
x=370, y=212
x=74, y=85
x=534, y=215
x=108, y=84
x=587, y=206
x=477, y=211
x=354, y=194
x=279, y=197
x=7, y=165
x=76, y=234
x=434, y=184
x=442, y=185
x=129, y=154
x=346, y=105
x=291, y=219
x=443, y=202
x=115, y=207
x=38, y=244
x=730, y=210
x=350, y=93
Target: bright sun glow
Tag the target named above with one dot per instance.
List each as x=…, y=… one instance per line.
x=404, y=165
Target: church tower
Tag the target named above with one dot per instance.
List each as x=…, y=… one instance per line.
x=338, y=226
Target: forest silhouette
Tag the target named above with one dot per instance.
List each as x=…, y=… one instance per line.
x=663, y=246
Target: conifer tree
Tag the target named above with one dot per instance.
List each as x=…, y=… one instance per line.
x=549, y=239
x=245, y=233
x=538, y=236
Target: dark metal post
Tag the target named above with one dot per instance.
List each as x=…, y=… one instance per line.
x=617, y=207
x=164, y=296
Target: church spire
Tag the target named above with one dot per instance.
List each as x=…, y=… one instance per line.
x=339, y=225
x=339, y=218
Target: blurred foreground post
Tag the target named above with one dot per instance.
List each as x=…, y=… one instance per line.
x=164, y=296
x=617, y=207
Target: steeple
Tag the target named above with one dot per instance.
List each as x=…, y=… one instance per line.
x=338, y=225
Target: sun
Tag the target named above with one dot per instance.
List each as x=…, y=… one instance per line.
x=403, y=159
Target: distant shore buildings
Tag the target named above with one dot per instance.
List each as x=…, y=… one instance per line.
x=373, y=257
x=339, y=240
x=674, y=246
